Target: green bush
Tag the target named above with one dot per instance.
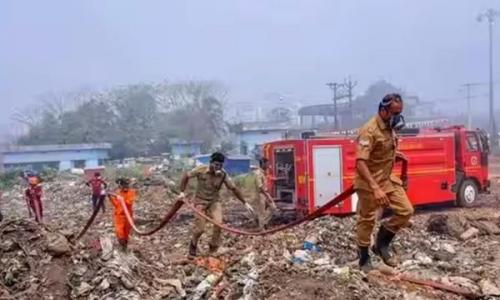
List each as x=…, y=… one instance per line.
x=136, y=172
x=8, y=179
x=48, y=174
x=245, y=181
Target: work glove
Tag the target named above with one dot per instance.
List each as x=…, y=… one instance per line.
x=249, y=207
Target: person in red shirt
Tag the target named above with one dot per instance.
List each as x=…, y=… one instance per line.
x=122, y=226
x=34, y=198
x=98, y=186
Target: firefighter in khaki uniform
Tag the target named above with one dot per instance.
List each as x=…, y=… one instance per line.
x=262, y=202
x=209, y=182
x=376, y=186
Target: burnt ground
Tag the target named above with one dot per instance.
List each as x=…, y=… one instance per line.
x=37, y=262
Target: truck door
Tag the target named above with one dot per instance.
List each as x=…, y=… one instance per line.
x=327, y=163
x=485, y=151
x=473, y=160
x=485, y=147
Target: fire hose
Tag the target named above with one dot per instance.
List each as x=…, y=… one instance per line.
x=317, y=213
x=181, y=201
x=100, y=203
x=170, y=214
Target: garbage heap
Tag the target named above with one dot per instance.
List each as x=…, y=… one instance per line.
x=316, y=260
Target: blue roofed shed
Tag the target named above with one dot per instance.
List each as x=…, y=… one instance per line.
x=61, y=157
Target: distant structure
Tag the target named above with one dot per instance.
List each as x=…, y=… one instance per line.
x=185, y=148
x=59, y=157
x=352, y=115
x=251, y=135
x=234, y=164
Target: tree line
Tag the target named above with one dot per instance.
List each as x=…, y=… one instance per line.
x=138, y=120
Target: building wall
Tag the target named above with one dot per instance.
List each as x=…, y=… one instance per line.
x=65, y=159
x=186, y=149
x=232, y=165
x=253, y=138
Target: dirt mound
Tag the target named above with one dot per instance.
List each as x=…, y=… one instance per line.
x=37, y=262
x=34, y=261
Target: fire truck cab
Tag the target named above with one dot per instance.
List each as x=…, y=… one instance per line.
x=444, y=165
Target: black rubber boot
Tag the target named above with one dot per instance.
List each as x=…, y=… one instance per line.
x=192, y=248
x=365, y=263
x=381, y=247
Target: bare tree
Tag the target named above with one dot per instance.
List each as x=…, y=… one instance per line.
x=171, y=96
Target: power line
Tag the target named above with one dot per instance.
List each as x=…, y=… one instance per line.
x=334, y=86
x=340, y=91
x=468, y=87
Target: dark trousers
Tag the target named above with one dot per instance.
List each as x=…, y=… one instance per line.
x=37, y=208
x=95, y=199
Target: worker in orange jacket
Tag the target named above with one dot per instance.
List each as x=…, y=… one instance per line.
x=122, y=226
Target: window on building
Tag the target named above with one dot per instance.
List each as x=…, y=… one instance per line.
x=80, y=164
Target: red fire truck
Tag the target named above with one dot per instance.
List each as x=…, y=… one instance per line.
x=444, y=165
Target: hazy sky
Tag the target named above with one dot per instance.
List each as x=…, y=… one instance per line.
x=255, y=47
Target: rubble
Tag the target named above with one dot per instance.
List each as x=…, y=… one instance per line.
x=316, y=260
x=176, y=283
x=57, y=244
x=488, y=288
x=204, y=286
x=487, y=227
x=452, y=225
x=448, y=248
x=106, y=245
x=469, y=233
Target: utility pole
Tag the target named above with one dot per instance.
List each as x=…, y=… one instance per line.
x=469, y=114
x=490, y=15
x=350, y=86
x=468, y=88
x=340, y=93
x=334, y=87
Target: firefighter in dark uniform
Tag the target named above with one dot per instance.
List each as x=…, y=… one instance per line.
x=376, y=186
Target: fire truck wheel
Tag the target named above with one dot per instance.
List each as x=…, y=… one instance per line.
x=467, y=195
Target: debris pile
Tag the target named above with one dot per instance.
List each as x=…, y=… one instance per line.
x=316, y=260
